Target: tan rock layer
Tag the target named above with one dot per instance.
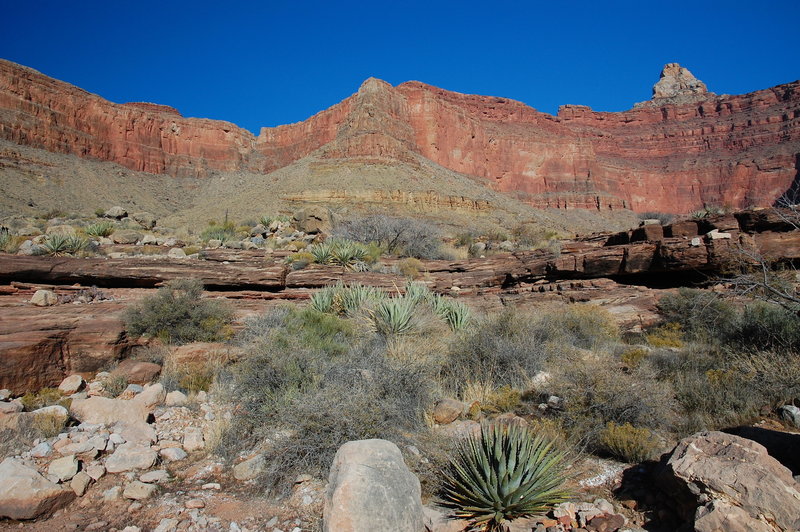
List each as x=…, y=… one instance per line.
x=724, y=150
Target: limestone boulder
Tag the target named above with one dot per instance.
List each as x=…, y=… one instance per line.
x=137, y=371
x=447, y=410
x=44, y=298
x=314, y=219
x=129, y=457
x=72, y=384
x=109, y=411
x=713, y=474
x=25, y=494
x=145, y=219
x=126, y=236
x=370, y=488
x=116, y=212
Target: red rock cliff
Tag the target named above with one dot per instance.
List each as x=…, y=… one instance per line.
x=683, y=149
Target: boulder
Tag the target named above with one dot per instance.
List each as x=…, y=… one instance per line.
x=791, y=415
x=109, y=411
x=126, y=236
x=72, y=384
x=139, y=490
x=176, y=253
x=145, y=219
x=137, y=371
x=80, y=482
x=314, y=219
x=138, y=432
x=151, y=396
x=44, y=298
x=713, y=470
x=370, y=488
x=172, y=454
x=130, y=456
x=25, y=494
x=116, y=212
x=250, y=468
x=447, y=410
x=176, y=398
x=63, y=230
x=11, y=407
x=193, y=440
x=63, y=468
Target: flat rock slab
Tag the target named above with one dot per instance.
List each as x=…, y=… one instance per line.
x=130, y=456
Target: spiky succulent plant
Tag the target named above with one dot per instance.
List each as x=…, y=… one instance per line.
x=394, y=316
x=505, y=473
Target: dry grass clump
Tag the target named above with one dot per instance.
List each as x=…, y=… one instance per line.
x=48, y=424
x=628, y=443
x=44, y=397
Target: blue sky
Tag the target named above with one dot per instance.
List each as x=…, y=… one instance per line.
x=276, y=62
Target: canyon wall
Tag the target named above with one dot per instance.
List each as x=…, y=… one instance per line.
x=684, y=149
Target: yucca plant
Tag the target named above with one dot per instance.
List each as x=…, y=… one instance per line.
x=348, y=254
x=56, y=245
x=505, y=473
x=100, y=229
x=455, y=313
x=322, y=252
x=418, y=292
x=355, y=296
x=322, y=301
x=394, y=316
x=76, y=244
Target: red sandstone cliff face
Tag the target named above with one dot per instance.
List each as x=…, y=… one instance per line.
x=669, y=157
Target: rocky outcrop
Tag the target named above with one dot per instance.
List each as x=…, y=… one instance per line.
x=371, y=488
x=25, y=494
x=682, y=150
x=677, y=86
x=724, y=482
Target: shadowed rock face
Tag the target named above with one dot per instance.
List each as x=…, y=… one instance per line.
x=683, y=149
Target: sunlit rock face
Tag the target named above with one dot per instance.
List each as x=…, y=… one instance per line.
x=683, y=149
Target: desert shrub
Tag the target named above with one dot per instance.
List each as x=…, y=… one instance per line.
x=456, y=314
x=99, y=229
x=410, y=267
x=8, y=243
x=702, y=314
x=44, y=397
x=667, y=335
x=505, y=473
x=505, y=349
x=596, y=390
x=178, y=314
x=48, y=424
x=114, y=385
x=267, y=220
x=503, y=399
x=341, y=252
x=533, y=236
x=300, y=260
x=307, y=385
x=585, y=326
x=628, y=443
x=632, y=358
x=767, y=326
x=222, y=232
x=404, y=237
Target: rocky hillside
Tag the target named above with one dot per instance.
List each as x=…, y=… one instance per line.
x=684, y=149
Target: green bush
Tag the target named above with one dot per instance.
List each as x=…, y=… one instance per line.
x=178, y=314
x=504, y=474
x=768, y=326
x=223, y=232
x=44, y=397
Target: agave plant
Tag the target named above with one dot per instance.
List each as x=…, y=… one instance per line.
x=394, y=316
x=505, y=473
x=56, y=245
x=100, y=229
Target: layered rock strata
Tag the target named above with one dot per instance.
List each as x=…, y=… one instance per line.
x=684, y=149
